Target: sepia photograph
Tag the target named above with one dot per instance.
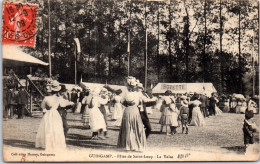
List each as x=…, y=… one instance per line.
x=130, y=80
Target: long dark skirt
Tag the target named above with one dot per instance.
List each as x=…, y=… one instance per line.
x=132, y=132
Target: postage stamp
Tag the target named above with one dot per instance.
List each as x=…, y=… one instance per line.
x=19, y=24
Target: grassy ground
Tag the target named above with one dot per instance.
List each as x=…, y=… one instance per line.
x=223, y=132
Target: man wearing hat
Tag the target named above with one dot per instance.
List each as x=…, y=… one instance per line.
x=142, y=108
x=81, y=97
x=203, y=108
x=22, y=101
x=10, y=101
x=74, y=99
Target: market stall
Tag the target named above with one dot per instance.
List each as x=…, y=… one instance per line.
x=182, y=88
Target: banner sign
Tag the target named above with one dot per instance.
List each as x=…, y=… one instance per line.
x=176, y=87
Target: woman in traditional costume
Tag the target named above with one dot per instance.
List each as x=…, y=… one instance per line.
x=197, y=117
x=50, y=133
x=132, y=132
x=118, y=108
x=96, y=119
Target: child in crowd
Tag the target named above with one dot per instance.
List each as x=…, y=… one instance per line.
x=166, y=113
x=184, y=114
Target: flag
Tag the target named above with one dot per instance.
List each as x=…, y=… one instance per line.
x=77, y=44
x=81, y=79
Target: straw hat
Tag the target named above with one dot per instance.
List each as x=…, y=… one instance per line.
x=131, y=81
x=53, y=86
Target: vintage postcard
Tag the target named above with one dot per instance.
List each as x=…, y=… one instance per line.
x=130, y=80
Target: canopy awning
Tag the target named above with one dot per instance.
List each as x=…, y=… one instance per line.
x=13, y=55
x=207, y=88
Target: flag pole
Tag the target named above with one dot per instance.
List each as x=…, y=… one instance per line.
x=253, y=64
x=145, y=83
x=129, y=41
x=49, y=38
x=75, y=64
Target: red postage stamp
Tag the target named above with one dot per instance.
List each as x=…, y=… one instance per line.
x=19, y=24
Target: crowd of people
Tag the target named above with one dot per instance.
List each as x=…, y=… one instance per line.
x=14, y=102
x=128, y=110
x=129, y=113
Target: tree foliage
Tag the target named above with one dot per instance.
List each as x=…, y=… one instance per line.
x=183, y=40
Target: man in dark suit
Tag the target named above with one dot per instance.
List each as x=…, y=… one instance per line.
x=212, y=103
x=203, y=107
x=11, y=102
x=74, y=99
x=22, y=101
x=142, y=108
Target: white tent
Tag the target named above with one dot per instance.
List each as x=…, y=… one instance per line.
x=14, y=56
x=207, y=88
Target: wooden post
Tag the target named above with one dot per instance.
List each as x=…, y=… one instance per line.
x=75, y=64
x=146, y=60
x=49, y=38
x=31, y=103
x=158, y=43
x=253, y=64
x=26, y=87
x=129, y=41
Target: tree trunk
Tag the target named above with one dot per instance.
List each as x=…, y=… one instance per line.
x=129, y=42
x=109, y=58
x=146, y=49
x=186, y=42
x=239, y=50
x=119, y=56
x=221, y=89
x=204, y=45
x=42, y=36
x=170, y=41
x=158, y=43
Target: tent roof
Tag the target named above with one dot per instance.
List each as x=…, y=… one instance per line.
x=94, y=85
x=14, y=56
x=207, y=88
